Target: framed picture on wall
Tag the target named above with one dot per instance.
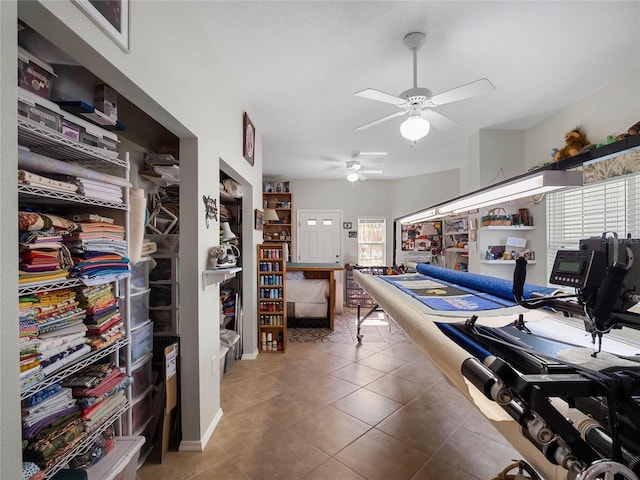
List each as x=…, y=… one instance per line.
x=111, y=16
x=259, y=219
x=249, y=139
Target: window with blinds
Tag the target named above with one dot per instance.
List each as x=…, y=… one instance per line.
x=372, y=233
x=609, y=206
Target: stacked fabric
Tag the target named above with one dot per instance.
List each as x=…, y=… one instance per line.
x=34, y=180
x=43, y=257
x=52, y=334
x=99, y=251
x=99, y=190
x=99, y=390
x=51, y=425
x=103, y=318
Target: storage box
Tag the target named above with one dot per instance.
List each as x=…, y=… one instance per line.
x=142, y=376
x=71, y=130
x=165, y=243
x=39, y=110
x=224, y=350
x=121, y=463
x=106, y=100
x=139, y=303
x=139, y=280
x=34, y=75
x=165, y=320
x=141, y=412
x=141, y=342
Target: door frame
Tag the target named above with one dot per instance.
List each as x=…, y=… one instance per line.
x=299, y=212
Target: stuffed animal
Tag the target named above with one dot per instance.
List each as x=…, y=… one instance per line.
x=575, y=140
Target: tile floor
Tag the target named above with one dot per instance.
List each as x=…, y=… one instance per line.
x=330, y=409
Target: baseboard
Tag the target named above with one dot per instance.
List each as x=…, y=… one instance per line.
x=250, y=356
x=198, y=445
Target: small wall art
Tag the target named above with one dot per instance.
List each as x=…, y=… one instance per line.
x=249, y=139
x=347, y=225
x=353, y=234
x=259, y=219
x=111, y=16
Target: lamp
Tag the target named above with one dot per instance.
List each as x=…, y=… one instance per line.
x=270, y=215
x=415, y=127
x=352, y=177
x=518, y=187
x=227, y=234
x=428, y=230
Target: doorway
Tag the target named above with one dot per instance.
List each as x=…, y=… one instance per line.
x=319, y=236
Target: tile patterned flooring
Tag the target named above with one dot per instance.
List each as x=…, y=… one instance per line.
x=330, y=409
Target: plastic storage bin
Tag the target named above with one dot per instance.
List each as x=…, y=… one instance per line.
x=165, y=243
x=142, y=376
x=139, y=307
x=141, y=412
x=165, y=321
x=34, y=74
x=140, y=275
x=141, y=342
x=121, y=463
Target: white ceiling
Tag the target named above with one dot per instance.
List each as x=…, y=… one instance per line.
x=297, y=65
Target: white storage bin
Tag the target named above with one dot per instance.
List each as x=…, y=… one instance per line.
x=121, y=463
x=142, y=376
x=139, y=308
x=139, y=281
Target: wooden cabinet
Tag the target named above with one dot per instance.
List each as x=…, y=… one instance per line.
x=272, y=306
x=280, y=230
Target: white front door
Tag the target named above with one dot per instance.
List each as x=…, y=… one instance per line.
x=319, y=235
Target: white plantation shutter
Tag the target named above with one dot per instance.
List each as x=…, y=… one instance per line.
x=371, y=242
x=610, y=206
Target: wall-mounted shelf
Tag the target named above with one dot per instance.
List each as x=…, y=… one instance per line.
x=78, y=107
x=506, y=262
x=211, y=277
x=509, y=227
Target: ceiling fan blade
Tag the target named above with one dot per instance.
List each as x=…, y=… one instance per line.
x=372, y=94
x=372, y=172
x=438, y=120
x=473, y=89
x=380, y=120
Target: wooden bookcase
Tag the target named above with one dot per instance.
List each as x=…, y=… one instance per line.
x=282, y=231
x=272, y=306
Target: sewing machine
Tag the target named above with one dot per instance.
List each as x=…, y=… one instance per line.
x=569, y=403
x=527, y=381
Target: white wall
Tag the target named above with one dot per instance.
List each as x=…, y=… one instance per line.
x=609, y=111
x=10, y=428
x=182, y=88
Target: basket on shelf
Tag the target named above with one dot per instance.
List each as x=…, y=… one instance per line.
x=272, y=203
x=496, y=217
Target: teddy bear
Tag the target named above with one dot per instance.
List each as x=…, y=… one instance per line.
x=633, y=130
x=575, y=140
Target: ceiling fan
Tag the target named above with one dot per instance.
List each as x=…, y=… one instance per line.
x=418, y=103
x=355, y=172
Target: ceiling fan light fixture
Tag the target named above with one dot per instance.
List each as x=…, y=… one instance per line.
x=414, y=128
x=352, y=177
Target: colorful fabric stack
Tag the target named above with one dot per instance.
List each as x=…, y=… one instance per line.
x=103, y=318
x=51, y=425
x=99, y=251
x=43, y=257
x=52, y=334
x=99, y=390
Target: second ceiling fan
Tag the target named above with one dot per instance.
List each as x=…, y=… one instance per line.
x=418, y=103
